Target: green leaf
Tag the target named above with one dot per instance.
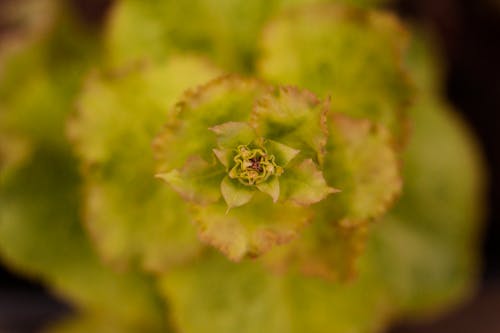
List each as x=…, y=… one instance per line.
x=215, y=295
x=304, y=184
x=271, y=187
x=26, y=22
x=293, y=117
x=225, y=99
x=363, y=163
x=428, y=244
x=252, y=229
x=232, y=134
x=352, y=55
x=98, y=323
x=234, y=193
x=325, y=251
x=41, y=237
x=171, y=27
x=225, y=156
x=119, y=115
x=40, y=73
x=282, y=153
x=196, y=182
x=40, y=230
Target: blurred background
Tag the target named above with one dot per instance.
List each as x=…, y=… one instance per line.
x=468, y=32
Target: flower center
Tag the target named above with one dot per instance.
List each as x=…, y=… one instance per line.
x=253, y=166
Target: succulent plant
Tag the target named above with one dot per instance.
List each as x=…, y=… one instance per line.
x=288, y=167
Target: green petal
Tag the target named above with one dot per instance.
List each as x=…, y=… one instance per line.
x=304, y=184
x=352, y=55
x=282, y=153
x=252, y=229
x=234, y=193
x=292, y=117
x=232, y=134
x=271, y=187
x=118, y=116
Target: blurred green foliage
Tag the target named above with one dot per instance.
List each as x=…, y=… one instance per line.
x=345, y=98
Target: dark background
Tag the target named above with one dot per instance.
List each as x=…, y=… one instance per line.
x=469, y=34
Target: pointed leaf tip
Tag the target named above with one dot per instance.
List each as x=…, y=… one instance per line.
x=283, y=153
x=224, y=156
x=232, y=134
x=305, y=184
x=235, y=194
x=271, y=187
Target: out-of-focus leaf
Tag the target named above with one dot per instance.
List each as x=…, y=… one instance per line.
x=132, y=216
x=362, y=163
x=429, y=244
x=225, y=30
x=40, y=231
x=40, y=80
x=40, y=235
x=23, y=23
x=215, y=295
x=98, y=323
x=354, y=56
x=13, y=151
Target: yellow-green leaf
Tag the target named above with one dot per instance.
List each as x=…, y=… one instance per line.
x=353, y=55
x=129, y=213
x=294, y=117
x=252, y=229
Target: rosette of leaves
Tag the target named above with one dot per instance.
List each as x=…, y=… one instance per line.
x=253, y=164
x=247, y=157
